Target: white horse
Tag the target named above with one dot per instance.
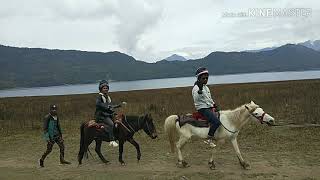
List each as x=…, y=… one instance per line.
x=231, y=123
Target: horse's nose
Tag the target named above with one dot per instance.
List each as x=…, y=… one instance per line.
x=271, y=121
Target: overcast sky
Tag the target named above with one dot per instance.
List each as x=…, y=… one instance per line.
x=152, y=30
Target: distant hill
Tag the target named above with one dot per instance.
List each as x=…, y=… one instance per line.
x=175, y=57
x=32, y=67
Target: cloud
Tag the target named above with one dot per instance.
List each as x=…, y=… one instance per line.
x=134, y=19
x=130, y=19
x=152, y=30
x=83, y=10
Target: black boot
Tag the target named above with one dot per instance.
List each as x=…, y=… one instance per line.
x=62, y=160
x=41, y=163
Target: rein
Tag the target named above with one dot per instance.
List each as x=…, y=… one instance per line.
x=124, y=126
x=228, y=129
x=132, y=129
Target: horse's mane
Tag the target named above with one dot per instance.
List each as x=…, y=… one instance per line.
x=235, y=114
x=134, y=117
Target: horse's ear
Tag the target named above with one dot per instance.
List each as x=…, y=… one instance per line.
x=249, y=108
x=252, y=102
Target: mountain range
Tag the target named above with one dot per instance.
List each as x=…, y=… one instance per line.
x=34, y=67
x=315, y=45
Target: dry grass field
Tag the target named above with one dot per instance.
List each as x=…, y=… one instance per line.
x=282, y=152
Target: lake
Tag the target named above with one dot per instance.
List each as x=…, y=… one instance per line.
x=160, y=83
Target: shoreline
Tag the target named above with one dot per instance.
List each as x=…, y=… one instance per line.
x=139, y=90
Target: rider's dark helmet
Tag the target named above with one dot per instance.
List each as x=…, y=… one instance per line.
x=103, y=83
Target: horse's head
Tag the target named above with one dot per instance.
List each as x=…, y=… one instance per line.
x=259, y=114
x=148, y=126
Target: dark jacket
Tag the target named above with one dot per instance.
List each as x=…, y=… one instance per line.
x=48, y=127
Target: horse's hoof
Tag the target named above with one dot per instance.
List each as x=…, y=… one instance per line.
x=106, y=162
x=182, y=164
x=123, y=164
x=212, y=166
x=245, y=165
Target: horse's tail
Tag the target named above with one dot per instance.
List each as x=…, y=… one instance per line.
x=82, y=139
x=82, y=135
x=171, y=130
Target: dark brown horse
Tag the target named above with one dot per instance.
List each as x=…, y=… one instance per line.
x=124, y=131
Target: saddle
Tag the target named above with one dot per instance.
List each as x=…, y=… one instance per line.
x=118, y=120
x=94, y=124
x=195, y=119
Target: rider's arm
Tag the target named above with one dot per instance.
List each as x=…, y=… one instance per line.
x=116, y=106
x=196, y=96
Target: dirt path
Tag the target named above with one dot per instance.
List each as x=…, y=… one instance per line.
x=292, y=153
x=264, y=169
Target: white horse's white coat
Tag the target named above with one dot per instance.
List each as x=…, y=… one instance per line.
x=232, y=121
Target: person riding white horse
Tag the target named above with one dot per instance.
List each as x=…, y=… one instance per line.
x=231, y=123
x=204, y=103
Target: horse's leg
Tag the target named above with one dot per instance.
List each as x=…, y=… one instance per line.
x=243, y=163
x=212, y=166
x=121, y=142
x=98, y=151
x=136, y=145
x=180, y=144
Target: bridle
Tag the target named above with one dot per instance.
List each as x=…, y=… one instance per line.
x=148, y=128
x=260, y=118
x=139, y=118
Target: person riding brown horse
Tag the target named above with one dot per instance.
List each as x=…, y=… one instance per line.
x=104, y=111
x=125, y=131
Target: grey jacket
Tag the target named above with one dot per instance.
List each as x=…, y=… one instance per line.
x=203, y=100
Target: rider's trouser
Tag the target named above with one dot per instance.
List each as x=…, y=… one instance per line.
x=50, y=144
x=109, y=128
x=214, y=121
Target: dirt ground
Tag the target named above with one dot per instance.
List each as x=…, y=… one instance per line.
x=273, y=153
